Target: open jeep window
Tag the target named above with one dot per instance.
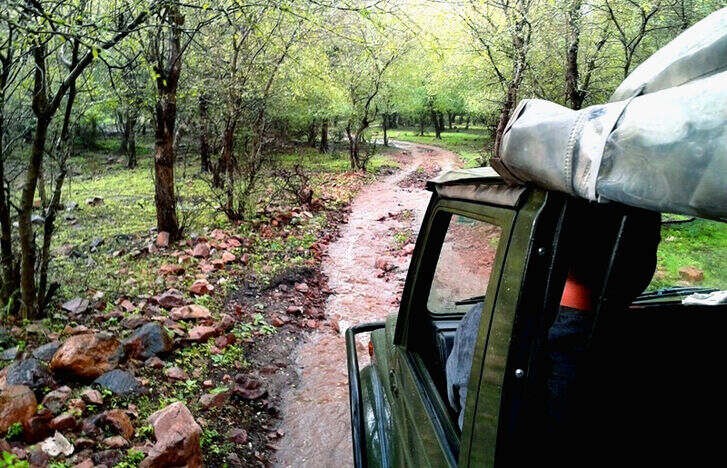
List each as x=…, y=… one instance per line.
x=464, y=266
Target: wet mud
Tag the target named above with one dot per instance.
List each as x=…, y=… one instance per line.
x=366, y=268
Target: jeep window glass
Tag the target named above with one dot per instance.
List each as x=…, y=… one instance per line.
x=692, y=254
x=464, y=265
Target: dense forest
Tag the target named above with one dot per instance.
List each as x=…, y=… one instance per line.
x=219, y=112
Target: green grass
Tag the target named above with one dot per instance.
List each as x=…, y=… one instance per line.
x=126, y=220
x=701, y=244
x=336, y=161
x=468, y=144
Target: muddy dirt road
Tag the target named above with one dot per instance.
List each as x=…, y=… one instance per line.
x=383, y=216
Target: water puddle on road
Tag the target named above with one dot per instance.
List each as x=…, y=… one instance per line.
x=316, y=418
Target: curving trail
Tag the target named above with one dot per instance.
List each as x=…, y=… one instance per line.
x=316, y=418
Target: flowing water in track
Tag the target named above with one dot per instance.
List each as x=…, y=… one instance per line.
x=316, y=418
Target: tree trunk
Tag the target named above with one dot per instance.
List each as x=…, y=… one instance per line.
x=204, y=144
x=124, y=145
x=26, y=237
x=467, y=124
x=384, y=122
x=573, y=95
x=421, y=124
x=450, y=119
x=131, y=142
x=352, y=148
x=437, y=122
x=312, y=131
x=7, y=259
x=323, y=146
x=166, y=117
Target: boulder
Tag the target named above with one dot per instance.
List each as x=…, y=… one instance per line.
x=201, y=287
x=177, y=438
x=170, y=298
x=201, y=250
x=227, y=257
x=56, y=399
x=149, y=340
x=38, y=426
x=111, y=457
x=30, y=372
x=201, y=333
x=237, y=436
x=115, y=442
x=214, y=400
x=691, y=274
x=171, y=269
x=45, y=352
x=118, y=422
x=10, y=354
x=17, y=405
x=76, y=306
x=120, y=383
x=87, y=356
x=162, y=239
x=176, y=373
x=57, y=445
x=190, y=312
x=92, y=396
x=64, y=422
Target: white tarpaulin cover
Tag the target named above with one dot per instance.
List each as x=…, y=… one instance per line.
x=660, y=144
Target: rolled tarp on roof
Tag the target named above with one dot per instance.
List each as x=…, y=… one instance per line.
x=660, y=144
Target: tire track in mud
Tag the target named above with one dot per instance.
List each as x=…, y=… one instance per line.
x=316, y=419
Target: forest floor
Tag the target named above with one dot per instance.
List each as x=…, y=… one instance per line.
x=210, y=321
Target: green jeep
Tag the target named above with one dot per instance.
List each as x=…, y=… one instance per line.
x=656, y=396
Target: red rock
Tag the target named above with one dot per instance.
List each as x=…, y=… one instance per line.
x=87, y=356
x=17, y=405
x=206, y=267
x=38, y=426
x=408, y=249
x=75, y=306
x=176, y=373
x=691, y=274
x=227, y=257
x=294, y=309
x=214, y=400
x=64, y=422
x=207, y=384
x=127, y=305
x=249, y=388
x=55, y=400
x=237, y=436
x=245, y=259
x=201, y=287
x=301, y=287
x=171, y=269
x=170, y=298
x=120, y=422
x=177, y=438
x=115, y=442
x=201, y=250
x=218, y=264
x=87, y=463
x=162, y=239
x=154, y=363
x=276, y=322
x=92, y=396
x=233, y=242
x=226, y=322
x=383, y=264
x=201, y=333
x=77, y=405
x=190, y=312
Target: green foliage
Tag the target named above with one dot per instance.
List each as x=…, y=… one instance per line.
x=10, y=460
x=14, y=431
x=132, y=459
